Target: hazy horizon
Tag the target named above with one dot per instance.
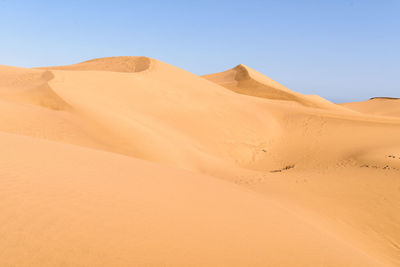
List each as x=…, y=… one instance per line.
x=342, y=50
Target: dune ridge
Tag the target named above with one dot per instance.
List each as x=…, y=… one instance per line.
x=384, y=98
x=132, y=161
x=115, y=64
x=244, y=80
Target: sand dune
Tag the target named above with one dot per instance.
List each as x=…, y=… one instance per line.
x=380, y=106
x=244, y=80
x=243, y=170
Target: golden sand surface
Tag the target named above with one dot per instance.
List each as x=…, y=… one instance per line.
x=130, y=161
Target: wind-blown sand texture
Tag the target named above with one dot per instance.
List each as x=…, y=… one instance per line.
x=129, y=161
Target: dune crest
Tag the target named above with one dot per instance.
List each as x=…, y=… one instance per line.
x=31, y=87
x=384, y=98
x=115, y=64
x=244, y=80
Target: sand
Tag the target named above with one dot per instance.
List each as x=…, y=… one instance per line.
x=380, y=106
x=129, y=161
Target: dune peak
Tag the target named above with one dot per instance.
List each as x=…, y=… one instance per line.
x=242, y=72
x=113, y=64
x=245, y=80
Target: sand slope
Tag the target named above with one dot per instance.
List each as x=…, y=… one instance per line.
x=109, y=210
x=268, y=172
x=380, y=106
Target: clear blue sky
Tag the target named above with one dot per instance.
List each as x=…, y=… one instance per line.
x=342, y=50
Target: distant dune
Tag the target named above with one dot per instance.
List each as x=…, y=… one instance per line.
x=130, y=161
x=381, y=106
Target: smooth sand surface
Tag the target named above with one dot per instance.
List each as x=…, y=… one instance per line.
x=380, y=106
x=129, y=161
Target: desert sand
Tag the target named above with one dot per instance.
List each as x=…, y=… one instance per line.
x=130, y=161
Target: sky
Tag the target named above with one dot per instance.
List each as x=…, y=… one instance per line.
x=343, y=50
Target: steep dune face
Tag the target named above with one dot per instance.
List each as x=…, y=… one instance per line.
x=380, y=106
x=29, y=86
x=244, y=80
x=30, y=107
x=333, y=170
